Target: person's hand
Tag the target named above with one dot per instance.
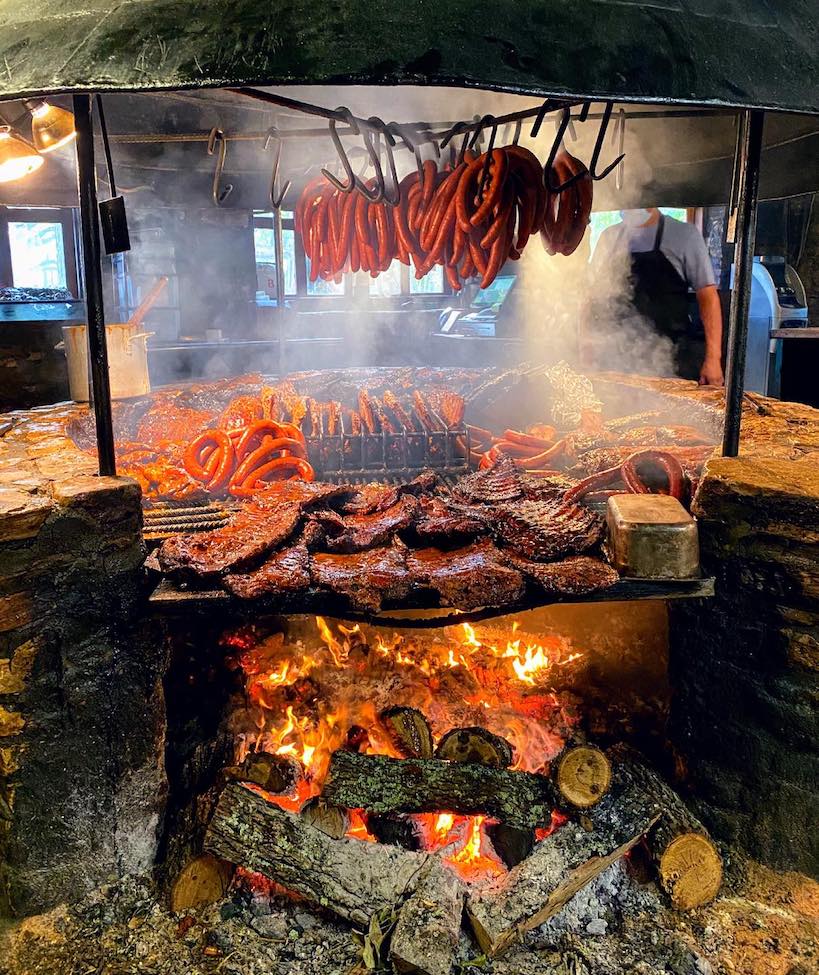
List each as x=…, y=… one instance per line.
x=711, y=373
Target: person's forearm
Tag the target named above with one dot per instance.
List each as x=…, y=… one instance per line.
x=711, y=315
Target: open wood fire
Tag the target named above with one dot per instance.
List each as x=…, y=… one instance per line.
x=415, y=776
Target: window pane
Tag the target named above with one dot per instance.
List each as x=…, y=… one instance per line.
x=37, y=255
x=320, y=287
x=388, y=283
x=264, y=239
x=430, y=284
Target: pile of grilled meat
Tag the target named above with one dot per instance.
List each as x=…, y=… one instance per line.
x=489, y=540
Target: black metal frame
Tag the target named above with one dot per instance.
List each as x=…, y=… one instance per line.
x=744, y=192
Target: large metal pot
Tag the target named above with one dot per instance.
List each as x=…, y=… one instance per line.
x=127, y=360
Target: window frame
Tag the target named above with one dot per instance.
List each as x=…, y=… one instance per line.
x=66, y=216
x=356, y=285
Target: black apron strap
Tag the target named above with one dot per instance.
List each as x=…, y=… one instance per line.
x=658, y=237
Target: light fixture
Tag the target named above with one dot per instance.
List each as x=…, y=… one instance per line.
x=17, y=158
x=51, y=127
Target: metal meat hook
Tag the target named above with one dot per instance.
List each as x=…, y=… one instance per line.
x=352, y=182
x=218, y=195
x=276, y=200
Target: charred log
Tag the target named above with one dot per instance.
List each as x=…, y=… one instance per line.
x=560, y=866
x=273, y=773
x=395, y=829
x=511, y=844
x=351, y=878
x=385, y=785
x=426, y=935
x=409, y=731
x=475, y=745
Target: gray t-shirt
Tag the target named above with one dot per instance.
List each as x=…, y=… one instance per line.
x=682, y=244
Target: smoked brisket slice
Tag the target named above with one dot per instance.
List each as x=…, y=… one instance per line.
x=367, y=498
x=365, y=578
x=499, y=483
x=545, y=530
x=284, y=573
x=467, y=578
x=575, y=576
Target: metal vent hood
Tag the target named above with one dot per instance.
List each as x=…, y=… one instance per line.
x=739, y=53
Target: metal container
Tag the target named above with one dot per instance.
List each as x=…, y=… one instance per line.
x=127, y=360
x=652, y=536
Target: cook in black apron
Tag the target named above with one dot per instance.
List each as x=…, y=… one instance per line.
x=661, y=295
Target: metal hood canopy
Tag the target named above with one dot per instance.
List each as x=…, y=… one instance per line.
x=743, y=53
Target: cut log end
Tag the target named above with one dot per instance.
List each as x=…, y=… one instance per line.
x=204, y=880
x=409, y=731
x=332, y=820
x=583, y=776
x=690, y=871
x=475, y=745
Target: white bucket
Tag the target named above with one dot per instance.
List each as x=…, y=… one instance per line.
x=127, y=360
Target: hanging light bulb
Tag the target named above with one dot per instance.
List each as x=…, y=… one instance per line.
x=51, y=127
x=17, y=159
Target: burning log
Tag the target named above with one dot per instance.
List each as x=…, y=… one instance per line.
x=511, y=844
x=409, y=731
x=352, y=878
x=426, y=934
x=332, y=820
x=273, y=773
x=560, y=866
x=582, y=775
x=474, y=745
x=203, y=880
x=396, y=829
x=688, y=864
x=380, y=784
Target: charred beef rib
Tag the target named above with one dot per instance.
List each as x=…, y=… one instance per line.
x=467, y=578
x=359, y=532
x=367, y=579
x=495, y=485
x=259, y=527
x=576, y=576
x=545, y=530
x=284, y=573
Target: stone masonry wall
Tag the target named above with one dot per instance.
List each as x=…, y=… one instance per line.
x=745, y=664
x=82, y=776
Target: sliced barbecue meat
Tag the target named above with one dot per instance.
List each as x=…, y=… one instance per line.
x=442, y=522
x=365, y=578
x=405, y=421
x=314, y=412
x=369, y=498
x=575, y=576
x=423, y=411
x=545, y=530
x=284, y=573
x=258, y=527
x=501, y=482
x=467, y=578
x=385, y=423
x=377, y=528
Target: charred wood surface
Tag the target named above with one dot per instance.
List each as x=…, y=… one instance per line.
x=475, y=745
x=409, y=731
x=511, y=844
x=385, y=785
x=426, y=935
x=277, y=774
x=352, y=878
x=395, y=828
x=560, y=866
